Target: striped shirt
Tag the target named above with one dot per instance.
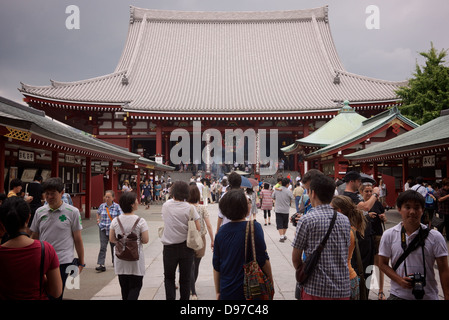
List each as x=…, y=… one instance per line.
x=267, y=201
x=331, y=276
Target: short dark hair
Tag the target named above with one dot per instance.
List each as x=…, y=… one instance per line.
x=412, y=196
x=234, y=204
x=312, y=173
x=180, y=191
x=53, y=184
x=194, y=194
x=266, y=186
x=38, y=178
x=127, y=201
x=15, y=183
x=324, y=188
x=14, y=213
x=445, y=182
x=285, y=182
x=234, y=180
x=352, y=176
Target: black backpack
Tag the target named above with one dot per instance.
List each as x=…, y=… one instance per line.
x=126, y=247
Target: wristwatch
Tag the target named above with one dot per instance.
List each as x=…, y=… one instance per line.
x=377, y=196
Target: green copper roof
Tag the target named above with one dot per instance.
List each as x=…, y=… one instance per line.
x=344, y=123
x=435, y=133
x=367, y=127
x=289, y=148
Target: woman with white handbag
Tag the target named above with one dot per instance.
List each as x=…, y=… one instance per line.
x=176, y=214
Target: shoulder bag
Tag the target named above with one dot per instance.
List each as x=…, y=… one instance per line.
x=194, y=239
x=360, y=273
x=256, y=284
x=306, y=268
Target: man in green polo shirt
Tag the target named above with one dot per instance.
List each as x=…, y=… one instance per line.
x=59, y=224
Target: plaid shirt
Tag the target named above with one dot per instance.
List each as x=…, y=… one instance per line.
x=443, y=206
x=114, y=211
x=331, y=276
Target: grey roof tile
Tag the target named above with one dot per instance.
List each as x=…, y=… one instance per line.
x=235, y=62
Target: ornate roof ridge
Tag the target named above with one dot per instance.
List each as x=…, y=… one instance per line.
x=57, y=84
x=372, y=79
x=137, y=14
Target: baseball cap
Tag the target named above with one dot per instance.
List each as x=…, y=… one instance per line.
x=352, y=175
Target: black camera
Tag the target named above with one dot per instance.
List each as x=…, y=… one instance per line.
x=418, y=284
x=293, y=219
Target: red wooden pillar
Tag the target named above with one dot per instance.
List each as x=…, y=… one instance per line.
x=404, y=171
x=138, y=184
x=167, y=151
x=114, y=180
x=336, y=167
x=54, y=164
x=375, y=171
x=305, y=133
x=447, y=165
x=111, y=175
x=2, y=166
x=295, y=159
x=158, y=140
x=88, y=199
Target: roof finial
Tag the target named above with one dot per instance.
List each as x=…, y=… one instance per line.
x=125, y=80
x=346, y=107
x=337, y=78
x=131, y=15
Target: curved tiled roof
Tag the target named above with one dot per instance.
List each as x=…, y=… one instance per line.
x=232, y=62
x=13, y=114
x=433, y=134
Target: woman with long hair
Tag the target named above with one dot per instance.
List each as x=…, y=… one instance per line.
x=376, y=217
x=194, y=199
x=346, y=206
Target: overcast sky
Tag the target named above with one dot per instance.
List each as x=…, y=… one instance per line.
x=36, y=46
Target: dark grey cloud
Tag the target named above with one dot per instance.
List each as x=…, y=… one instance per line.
x=35, y=45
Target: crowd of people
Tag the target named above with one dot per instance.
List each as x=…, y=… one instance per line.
x=46, y=237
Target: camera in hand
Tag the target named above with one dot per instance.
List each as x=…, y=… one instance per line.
x=418, y=284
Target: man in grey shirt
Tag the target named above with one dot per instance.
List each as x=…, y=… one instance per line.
x=283, y=198
x=59, y=224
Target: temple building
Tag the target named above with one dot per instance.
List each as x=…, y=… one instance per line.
x=327, y=148
x=32, y=144
x=423, y=151
x=275, y=70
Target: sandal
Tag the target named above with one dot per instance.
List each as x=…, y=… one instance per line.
x=381, y=296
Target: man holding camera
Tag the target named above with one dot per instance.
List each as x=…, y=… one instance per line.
x=413, y=250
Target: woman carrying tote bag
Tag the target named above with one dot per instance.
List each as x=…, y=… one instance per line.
x=176, y=215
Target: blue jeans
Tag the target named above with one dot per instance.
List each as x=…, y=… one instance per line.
x=174, y=255
x=297, y=201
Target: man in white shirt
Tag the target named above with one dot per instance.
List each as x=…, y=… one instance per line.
x=200, y=187
x=407, y=184
x=419, y=187
x=421, y=260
